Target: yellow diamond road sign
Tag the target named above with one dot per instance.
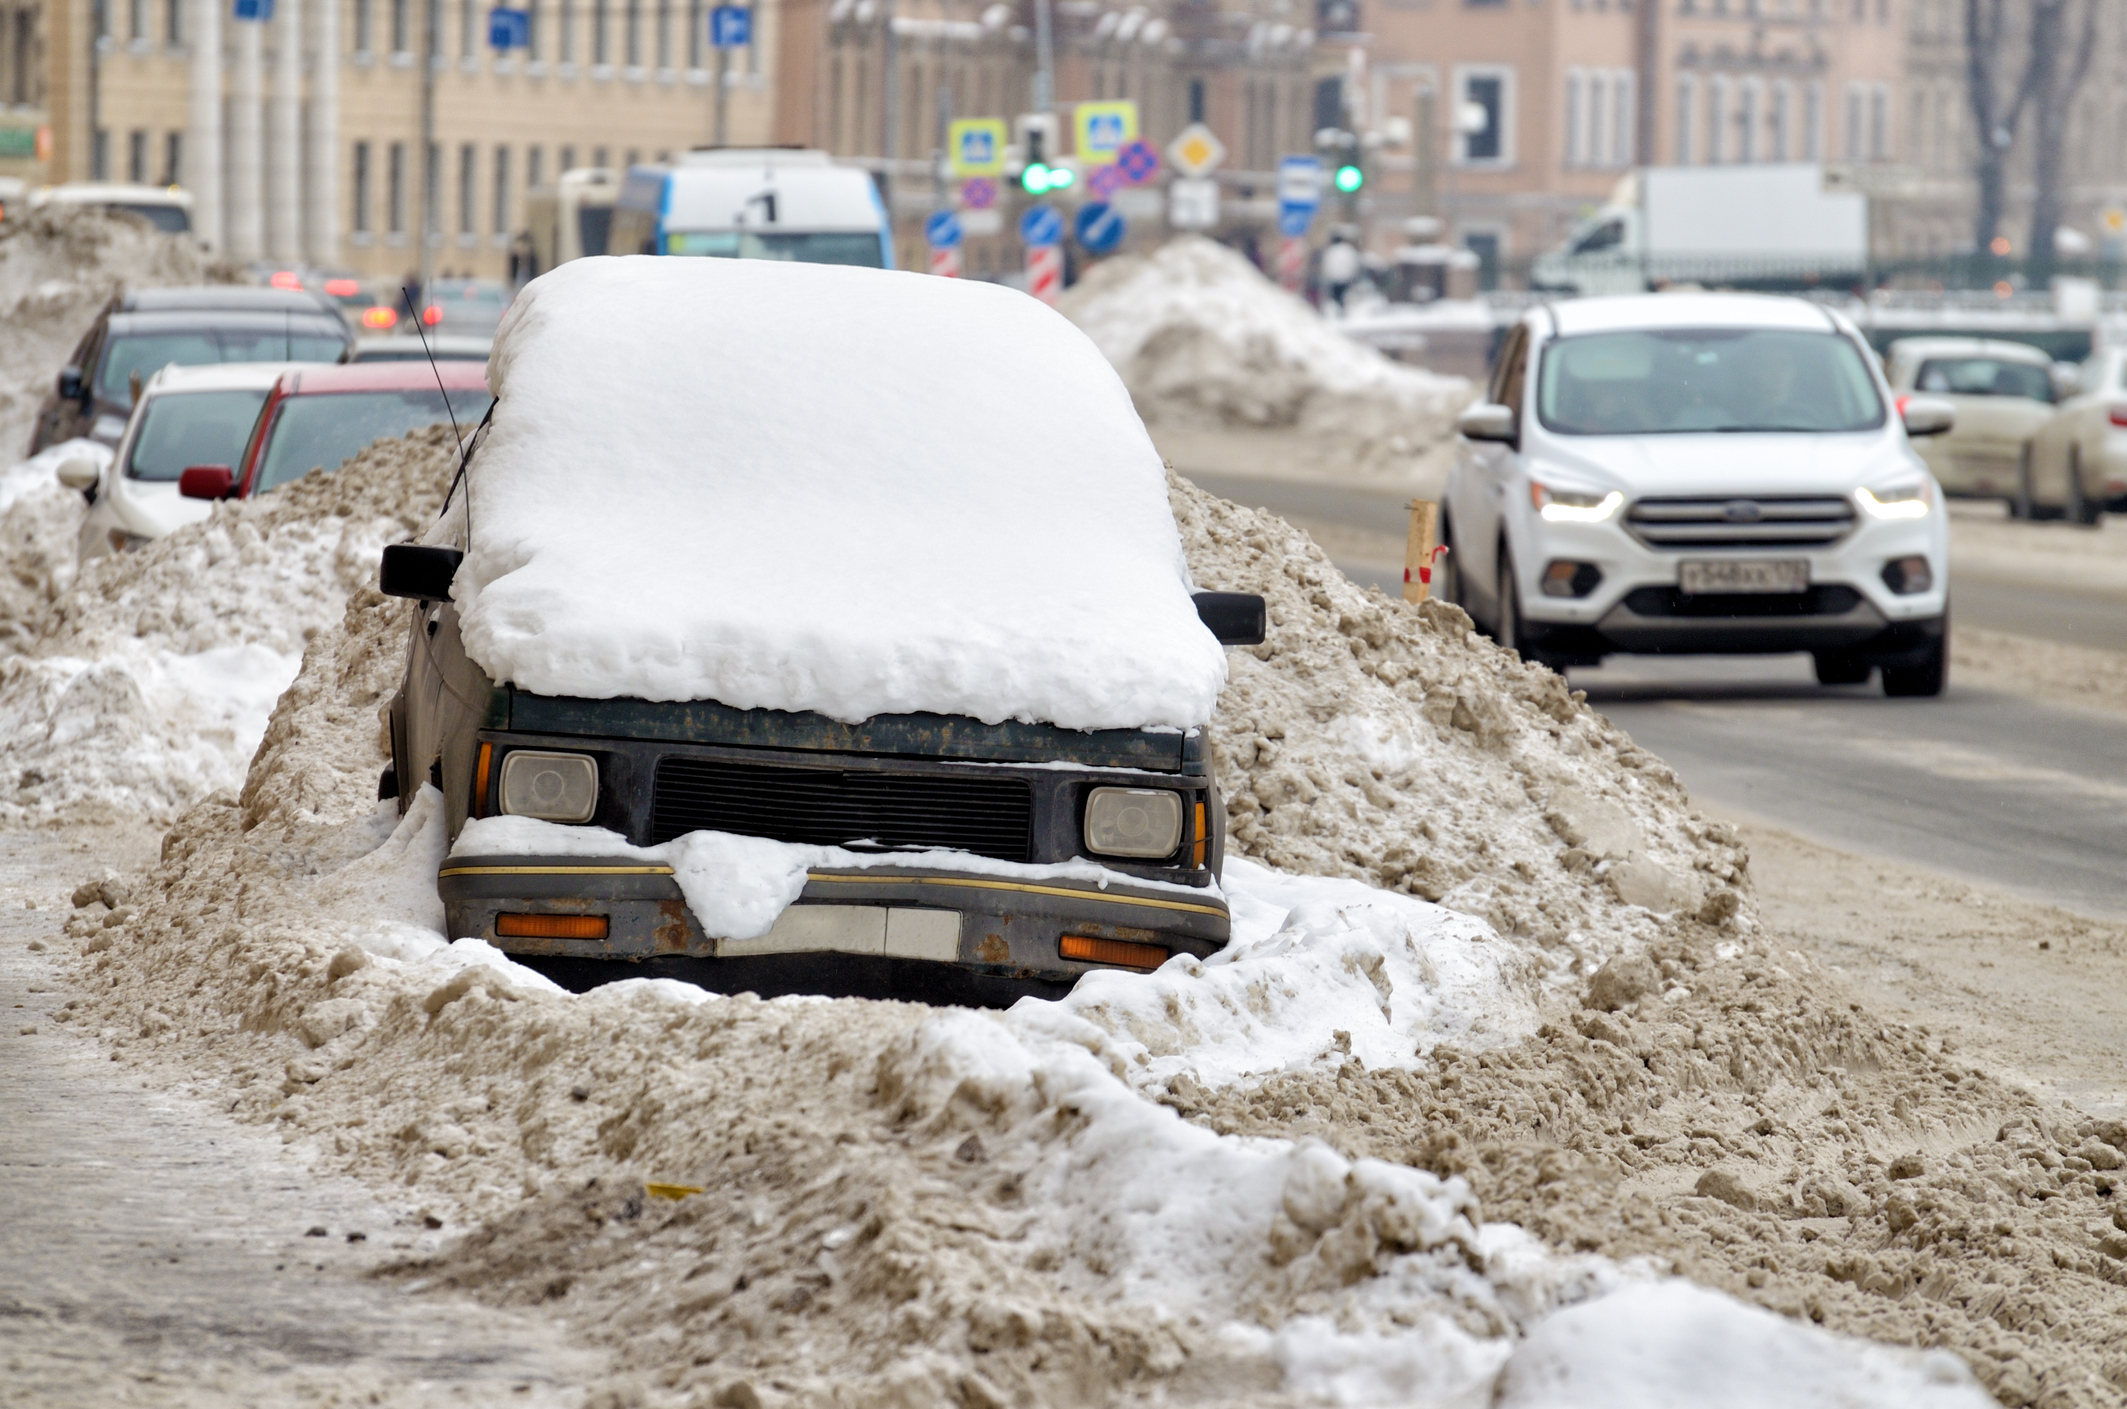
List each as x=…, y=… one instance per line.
x=2115, y=220
x=1197, y=151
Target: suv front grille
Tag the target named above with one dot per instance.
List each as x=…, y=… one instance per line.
x=1709, y=523
x=829, y=807
x=1835, y=599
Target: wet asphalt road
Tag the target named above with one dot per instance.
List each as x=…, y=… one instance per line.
x=1990, y=787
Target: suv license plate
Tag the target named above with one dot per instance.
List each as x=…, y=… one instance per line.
x=1744, y=575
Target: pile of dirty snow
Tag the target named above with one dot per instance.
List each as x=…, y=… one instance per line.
x=145, y=683
x=883, y=1202
x=40, y=528
x=1205, y=342
x=58, y=267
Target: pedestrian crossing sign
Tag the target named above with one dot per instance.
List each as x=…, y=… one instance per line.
x=1102, y=130
x=975, y=146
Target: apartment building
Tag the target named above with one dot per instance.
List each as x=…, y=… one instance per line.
x=1527, y=112
x=301, y=137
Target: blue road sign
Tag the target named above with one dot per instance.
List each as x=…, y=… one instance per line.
x=259, y=10
x=1099, y=227
x=942, y=230
x=509, y=29
x=731, y=26
x=1040, y=227
x=1293, y=220
x=1300, y=182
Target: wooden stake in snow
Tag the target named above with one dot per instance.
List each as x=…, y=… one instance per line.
x=1420, y=550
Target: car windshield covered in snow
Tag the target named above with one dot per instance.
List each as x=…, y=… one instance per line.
x=1696, y=380
x=310, y=432
x=1983, y=376
x=192, y=428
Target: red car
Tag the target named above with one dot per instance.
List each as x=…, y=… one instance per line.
x=319, y=417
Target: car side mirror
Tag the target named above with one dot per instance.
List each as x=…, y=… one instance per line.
x=2067, y=379
x=1927, y=415
x=1236, y=618
x=70, y=384
x=206, y=482
x=422, y=573
x=1487, y=420
x=79, y=473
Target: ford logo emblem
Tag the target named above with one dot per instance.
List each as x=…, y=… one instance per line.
x=1742, y=511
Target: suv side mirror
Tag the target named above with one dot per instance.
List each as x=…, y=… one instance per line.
x=1927, y=415
x=70, y=384
x=1487, y=420
x=206, y=482
x=80, y=472
x=1236, y=618
x=422, y=573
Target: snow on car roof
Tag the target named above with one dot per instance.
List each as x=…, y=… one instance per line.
x=813, y=487
x=1972, y=347
x=386, y=376
x=1603, y=315
x=223, y=376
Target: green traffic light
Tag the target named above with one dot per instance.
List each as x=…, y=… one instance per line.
x=1350, y=179
x=1060, y=178
x=1035, y=178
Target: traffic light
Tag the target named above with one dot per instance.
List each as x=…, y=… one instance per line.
x=1040, y=172
x=1350, y=178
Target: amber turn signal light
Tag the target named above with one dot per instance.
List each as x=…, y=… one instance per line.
x=509, y=926
x=1119, y=952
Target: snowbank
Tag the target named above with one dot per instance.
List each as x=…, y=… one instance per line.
x=1204, y=341
x=807, y=487
x=146, y=681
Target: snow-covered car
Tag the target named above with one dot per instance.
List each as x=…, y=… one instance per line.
x=319, y=417
x=2079, y=457
x=1701, y=473
x=187, y=417
x=738, y=658
x=2004, y=393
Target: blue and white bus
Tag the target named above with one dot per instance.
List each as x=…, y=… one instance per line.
x=754, y=204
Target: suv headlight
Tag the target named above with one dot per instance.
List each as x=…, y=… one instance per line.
x=1905, y=501
x=554, y=787
x=1573, y=505
x=1140, y=822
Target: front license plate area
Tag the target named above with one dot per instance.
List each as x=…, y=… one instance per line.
x=1698, y=579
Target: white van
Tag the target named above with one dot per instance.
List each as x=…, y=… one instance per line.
x=569, y=219
x=1701, y=474
x=754, y=204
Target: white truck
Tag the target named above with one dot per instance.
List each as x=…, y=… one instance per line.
x=1760, y=226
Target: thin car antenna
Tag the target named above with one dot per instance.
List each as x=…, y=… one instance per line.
x=465, y=452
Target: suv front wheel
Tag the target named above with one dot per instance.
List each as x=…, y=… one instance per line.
x=1925, y=677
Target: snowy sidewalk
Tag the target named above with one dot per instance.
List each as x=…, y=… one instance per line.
x=153, y=1252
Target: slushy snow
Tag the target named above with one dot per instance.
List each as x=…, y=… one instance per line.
x=805, y=487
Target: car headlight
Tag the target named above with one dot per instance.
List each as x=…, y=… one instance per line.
x=554, y=787
x=1573, y=505
x=1905, y=501
x=1141, y=822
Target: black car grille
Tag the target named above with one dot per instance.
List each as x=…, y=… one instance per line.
x=830, y=807
x=1834, y=600
x=1709, y=523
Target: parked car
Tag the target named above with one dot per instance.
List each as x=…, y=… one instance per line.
x=465, y=307
x=2004, y=393
x=167, y=208
x=187, y=416
x=2079, y=457
x=320, y=417
x=405, y=347
x=139, y=333
x=1701, y=473
x=667, y=741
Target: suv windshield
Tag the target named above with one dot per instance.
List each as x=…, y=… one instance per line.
x=818, y=247
x=1984, y=376
x=149, y=353
x=183, y=428
x=1673, y=381
x=323, y=431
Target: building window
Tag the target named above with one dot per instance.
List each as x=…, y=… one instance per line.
x=664, y=33
x=1598, y=119
x=502, y=190
x=358, y=207
x=1625, y=126
x=100, y=155
x=601, y=48
x=432, y=28
x=535, y=169
x=431, y=194
x=1781, y=121
x=1717, y=120
x=469, y=31
x=1329, y=105
x=173, y=159
x=137, y=157
x=1489, y=140
x=395, y=189
x=1196, y=100
x=137, y=18
x=1747, y=121
x=1687, y=104
x=566, y=160
x=532, y=29
x=1576, y=127
x=598, y=157
x=364, y=26
x=468, y=182
x=694, y=41
x=401, y=17
x=174, y=23
x=1813, y=122
x=1880, y=122
x=633, y=33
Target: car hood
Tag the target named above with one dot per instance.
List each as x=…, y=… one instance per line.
x=1742, y=465
x=152, y=508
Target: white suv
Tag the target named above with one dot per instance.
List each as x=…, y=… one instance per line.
x=1701, y=473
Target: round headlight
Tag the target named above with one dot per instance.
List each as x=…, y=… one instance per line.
x=1140, y=822
x=554, y=787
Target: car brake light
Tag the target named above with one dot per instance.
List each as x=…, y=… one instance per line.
x=432, y=315
x=379, y=317
x=343, y=288
x=286, y=279
x=1901, y=405
x=2117, y=415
